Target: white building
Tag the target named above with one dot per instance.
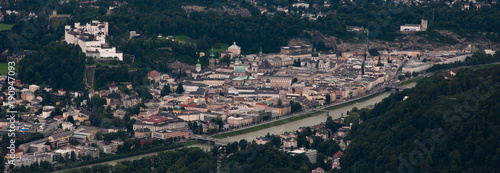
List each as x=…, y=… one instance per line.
x=34, y=88
x=414, y=27
x=92, y=39
x=305, y=5
x=235, y=49
x=490, y=51
x=67, y=125
x=47, y=110
x=415, y=66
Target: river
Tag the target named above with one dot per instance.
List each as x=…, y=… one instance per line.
x=292, y=126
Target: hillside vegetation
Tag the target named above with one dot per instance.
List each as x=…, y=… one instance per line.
x=444, y=125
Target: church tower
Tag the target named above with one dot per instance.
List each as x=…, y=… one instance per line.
x=315, y=55
x=211, y=61
x=198, y=66
x=237, y=61
x=260, y=57
x=255, y=67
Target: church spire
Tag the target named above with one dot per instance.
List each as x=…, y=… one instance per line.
x=212, y=53
x=198, y=66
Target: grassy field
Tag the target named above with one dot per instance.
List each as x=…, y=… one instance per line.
x=3, y=68
x=107, y=64
x=220, y=47
x=4, y=26
x=276, y=123
x=478, y=67
x=90, y=78
x=412, y=80
x=184, y=39
x=189, y=143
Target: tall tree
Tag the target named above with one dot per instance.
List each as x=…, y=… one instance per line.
x=166, y=90
x=180, y=89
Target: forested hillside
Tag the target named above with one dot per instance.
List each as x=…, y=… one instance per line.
x=57, y=64
x=443, y=125
x=263, y=158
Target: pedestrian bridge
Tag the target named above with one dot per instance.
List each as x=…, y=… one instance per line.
x=210, y=140
x=397, y=88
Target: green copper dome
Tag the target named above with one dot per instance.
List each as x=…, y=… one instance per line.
x=198, y=64
x=238, y=78
x=239, y=69
x=177, y=107
x=212, y=53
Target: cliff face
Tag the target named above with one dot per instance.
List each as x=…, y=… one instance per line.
x=230, y=10
x=439, y=40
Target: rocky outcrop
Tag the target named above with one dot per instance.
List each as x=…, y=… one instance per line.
x=405, y=42
x=230, y=10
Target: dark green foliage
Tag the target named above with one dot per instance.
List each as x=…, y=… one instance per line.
x=182, y=160
x=57, y=64
x=463, y=140
x=219, y=121
x=479, y=57
x=180, y=89
x=295, y=106
x=333, y=126
x=104, y=75
x=195, y=127
x=264, y=158
x=226, y=60
x=296, y=63
x=166, y=90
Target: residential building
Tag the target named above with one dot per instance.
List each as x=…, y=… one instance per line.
x=172, y=133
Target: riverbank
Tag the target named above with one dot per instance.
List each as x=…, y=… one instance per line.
x=409, y=81
x=129, y=156
x=353, y=101
x=296, y=118
x=309, y=121
x=263, y=126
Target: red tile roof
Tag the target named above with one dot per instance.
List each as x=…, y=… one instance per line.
x=153, y=74
x=188, y=105
x=338, y=154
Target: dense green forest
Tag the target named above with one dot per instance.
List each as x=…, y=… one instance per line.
x=183, y=160
x=440, y=125
x=478, y=58
x=166, y=17
x=57, y=64
x=263, y=158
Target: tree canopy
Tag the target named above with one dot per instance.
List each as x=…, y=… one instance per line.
x=442, y=125
x=57, y=64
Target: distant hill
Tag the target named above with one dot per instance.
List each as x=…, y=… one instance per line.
x=443, y=125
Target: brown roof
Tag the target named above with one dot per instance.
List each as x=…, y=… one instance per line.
x=153, y=74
